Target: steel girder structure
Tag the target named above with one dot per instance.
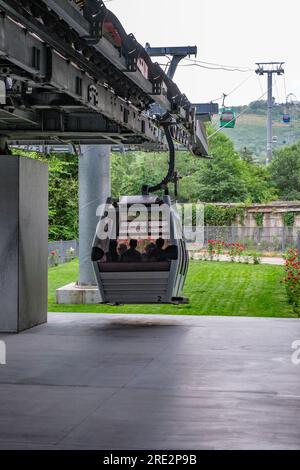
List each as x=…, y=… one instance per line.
x=70, y=73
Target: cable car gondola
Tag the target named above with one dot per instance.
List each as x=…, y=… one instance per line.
x=286, y=118
x=141, y=268
x=227, y=116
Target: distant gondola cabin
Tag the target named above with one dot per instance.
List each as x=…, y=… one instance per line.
x=286, y=118
x=227, y=118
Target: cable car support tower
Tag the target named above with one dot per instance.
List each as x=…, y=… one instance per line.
x=269, y=69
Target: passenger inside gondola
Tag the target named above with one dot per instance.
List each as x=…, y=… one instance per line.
x=147, y=252
x=132, y=255
x=158, y=253
x=122, y=249
x=112, y=255
x=171, y=253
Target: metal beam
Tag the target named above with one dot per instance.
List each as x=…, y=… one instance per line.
x=164, y=51
x=73, y=16
x=177, y=53
x=52, y=89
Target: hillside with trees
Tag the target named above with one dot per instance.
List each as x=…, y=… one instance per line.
x=250, y=130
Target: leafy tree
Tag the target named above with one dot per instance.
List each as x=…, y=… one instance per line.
x=259, y=185
x=229, y=178
x=221, y=179
x=247, y=155
x=63, y=194
x=63, y=197
x=285, y=172
x=133, y=169
x=225, y=178
x=121, y=174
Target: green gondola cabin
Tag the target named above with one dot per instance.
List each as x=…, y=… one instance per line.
x=227, y=118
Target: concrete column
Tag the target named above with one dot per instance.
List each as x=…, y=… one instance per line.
x=23, y=243
x=94, y=189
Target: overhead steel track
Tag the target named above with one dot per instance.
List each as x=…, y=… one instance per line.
x=67, y=85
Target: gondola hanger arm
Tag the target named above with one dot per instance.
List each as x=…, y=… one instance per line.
x=166, y=123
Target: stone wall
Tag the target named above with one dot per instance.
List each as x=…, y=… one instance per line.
x=273, y=213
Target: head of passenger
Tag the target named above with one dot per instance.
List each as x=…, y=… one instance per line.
x=113, y=244
x=158, y=254
x=171, y=253
x=122, y=249
x=160, y=242
x=133, y=244
x=132, y=254
x=147, y=251
x=149, y=248
x=112, y=255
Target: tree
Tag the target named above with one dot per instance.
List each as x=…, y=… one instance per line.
x=221, y=179
x=225, y=178
x=247, y=155
x=130, y=171
x=63, y=193
x=229, y=178
x=259, y=185
x=285, y=172
x=63, y=196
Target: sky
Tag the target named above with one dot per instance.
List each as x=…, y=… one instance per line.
x=235, y=33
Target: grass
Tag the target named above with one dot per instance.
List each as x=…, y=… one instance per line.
x=225, y=289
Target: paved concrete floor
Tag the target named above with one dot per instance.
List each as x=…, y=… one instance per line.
x=137, y=382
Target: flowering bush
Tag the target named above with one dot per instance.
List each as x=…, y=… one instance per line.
x=215, y=247
x=292, y=278
x=236, y=250
x=54, y=258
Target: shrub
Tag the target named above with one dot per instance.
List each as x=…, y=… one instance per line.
x=288, y=219
x=216, y=216
x=215, y=247
x=236, y=250
x=255, y=257
x=259, y=219
x=292, y=279
x=54, y=258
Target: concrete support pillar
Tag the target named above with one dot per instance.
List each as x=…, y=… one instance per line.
x=23, y=243
x=94, y=189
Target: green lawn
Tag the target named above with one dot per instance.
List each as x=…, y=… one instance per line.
x=213, y=289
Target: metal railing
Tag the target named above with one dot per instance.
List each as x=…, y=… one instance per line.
x=264, y=240
x=62, y=251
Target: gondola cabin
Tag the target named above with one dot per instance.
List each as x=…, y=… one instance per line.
x=286, y=118
x=227, y=118
x=139, y=255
